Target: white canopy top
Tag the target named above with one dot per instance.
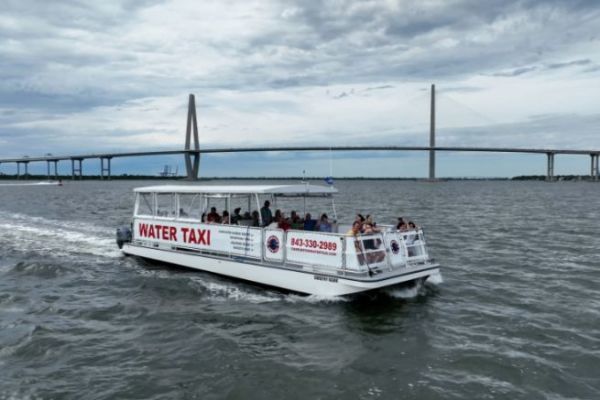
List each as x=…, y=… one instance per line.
x=284, y=190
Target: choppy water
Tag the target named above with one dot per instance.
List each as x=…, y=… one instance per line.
x=517, y=314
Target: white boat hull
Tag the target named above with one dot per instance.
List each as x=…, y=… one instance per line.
x=294, y=280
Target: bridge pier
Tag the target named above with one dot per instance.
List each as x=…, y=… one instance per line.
x=55, y=168
x=594, y=168
x=76, y=171
x=26, y=164
x=550, y=169
x=192, y=166
x=104, y=169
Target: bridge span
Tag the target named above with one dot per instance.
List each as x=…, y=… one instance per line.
x=192, y=152
x=105, y=158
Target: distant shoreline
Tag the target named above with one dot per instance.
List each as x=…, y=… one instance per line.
x=296, y=178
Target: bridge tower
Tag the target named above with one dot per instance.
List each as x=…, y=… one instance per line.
x=432, y=136
x=192, y=159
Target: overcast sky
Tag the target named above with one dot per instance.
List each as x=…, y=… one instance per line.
x=82, y=76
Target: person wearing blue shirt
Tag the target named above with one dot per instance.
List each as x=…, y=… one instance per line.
x=324, y=225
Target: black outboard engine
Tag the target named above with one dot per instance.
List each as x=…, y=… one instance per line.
x=123, y=235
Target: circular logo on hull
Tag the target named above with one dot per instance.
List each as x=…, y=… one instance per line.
x=395, y=247
x=273, y=244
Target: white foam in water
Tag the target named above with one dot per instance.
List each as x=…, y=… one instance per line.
x=315, y=299
x=58, y=237
x=231, y=292
x=404, y=293
x=435, y=279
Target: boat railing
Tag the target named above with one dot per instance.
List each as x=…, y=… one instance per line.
x=320, y=252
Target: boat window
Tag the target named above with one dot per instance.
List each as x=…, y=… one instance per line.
x=166, y=205
x=190, y=206
x=145, y=204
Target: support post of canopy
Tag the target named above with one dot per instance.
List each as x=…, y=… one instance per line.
x=18, y=170
x=192, y=159
x=48, y=168
x=56, y=169
x=550, y=169
x=432, y=136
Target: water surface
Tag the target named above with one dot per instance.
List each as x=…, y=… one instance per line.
x=517, y=314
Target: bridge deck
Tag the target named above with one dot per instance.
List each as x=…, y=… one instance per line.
x=299, y=148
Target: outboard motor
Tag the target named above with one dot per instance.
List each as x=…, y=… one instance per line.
x=123, y=235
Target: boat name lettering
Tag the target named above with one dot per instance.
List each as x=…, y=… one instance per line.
x=314, y=244
x=169, y=233
x=325, y=278
x=156, y=231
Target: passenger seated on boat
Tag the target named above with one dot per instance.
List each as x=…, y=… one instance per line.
x=213, y=216
x=413, y=227
x=274, y=224
x=400, y=223
x=203, y=218
x=370, y=228
x=370, y=225
x=324, y=225
x=255, y=218
x=265, y=213
x=295, y=221
x=236, y=217
x=355, y=232
x=309, y=223
x=360, y=218
x=225, y=219
x=277, y=215
x=402, y=226
x=182, y=213
x=284, y=223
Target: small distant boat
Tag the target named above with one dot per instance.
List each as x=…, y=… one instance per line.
x=43, y=183
x=169, y=226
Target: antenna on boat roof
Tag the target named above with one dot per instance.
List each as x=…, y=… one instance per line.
x=329, y=178
x=330, y=162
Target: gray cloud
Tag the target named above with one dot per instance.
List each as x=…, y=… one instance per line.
x=544, y=67
x=61, y=58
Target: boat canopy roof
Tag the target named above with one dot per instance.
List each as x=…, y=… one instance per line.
x=276, y=190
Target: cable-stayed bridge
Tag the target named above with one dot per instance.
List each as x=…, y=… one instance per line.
x=192, y=152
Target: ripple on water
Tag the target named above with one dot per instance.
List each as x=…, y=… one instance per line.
x=515, y=317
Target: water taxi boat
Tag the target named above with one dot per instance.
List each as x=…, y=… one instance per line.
x=170, y=225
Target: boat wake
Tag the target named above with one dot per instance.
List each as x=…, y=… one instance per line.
x=404, y=293
x=45, y=236
x=43, y=183
x=225, y=292
x=435, y=279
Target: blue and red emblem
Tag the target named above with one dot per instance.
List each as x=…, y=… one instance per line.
x=395, y=247
x=273, y=244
